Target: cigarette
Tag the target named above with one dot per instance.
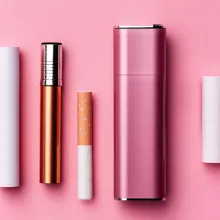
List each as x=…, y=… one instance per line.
x=84, y=142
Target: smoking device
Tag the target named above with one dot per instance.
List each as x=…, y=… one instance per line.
x=139, y=112
x=50, y=121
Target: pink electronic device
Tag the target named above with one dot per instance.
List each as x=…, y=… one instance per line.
x=139, y=112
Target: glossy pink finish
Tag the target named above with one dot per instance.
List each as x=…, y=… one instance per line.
x=139, y=56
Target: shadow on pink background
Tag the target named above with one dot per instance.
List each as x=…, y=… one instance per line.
x=85, y=29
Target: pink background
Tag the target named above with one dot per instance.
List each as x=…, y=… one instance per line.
x=85, y=29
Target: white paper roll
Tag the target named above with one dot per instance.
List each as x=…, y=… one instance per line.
x=9, y=117
x=211, y=119
x=85, y=172
x=211, y=98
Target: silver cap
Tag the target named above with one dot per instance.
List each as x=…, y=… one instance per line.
x=51, y=64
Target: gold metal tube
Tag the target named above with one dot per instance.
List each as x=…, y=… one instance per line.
x=50, y=124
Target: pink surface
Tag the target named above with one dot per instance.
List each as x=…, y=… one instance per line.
x=85, y=28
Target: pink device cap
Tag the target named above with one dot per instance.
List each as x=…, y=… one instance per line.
x=139, y=50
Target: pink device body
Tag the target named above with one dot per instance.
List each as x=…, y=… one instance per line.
x=139, y=117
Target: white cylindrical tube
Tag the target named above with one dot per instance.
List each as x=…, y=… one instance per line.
x=211, y=119
x=9, y=117
x=84, y=142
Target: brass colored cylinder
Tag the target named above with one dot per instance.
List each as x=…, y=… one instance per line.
x=50, y=150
